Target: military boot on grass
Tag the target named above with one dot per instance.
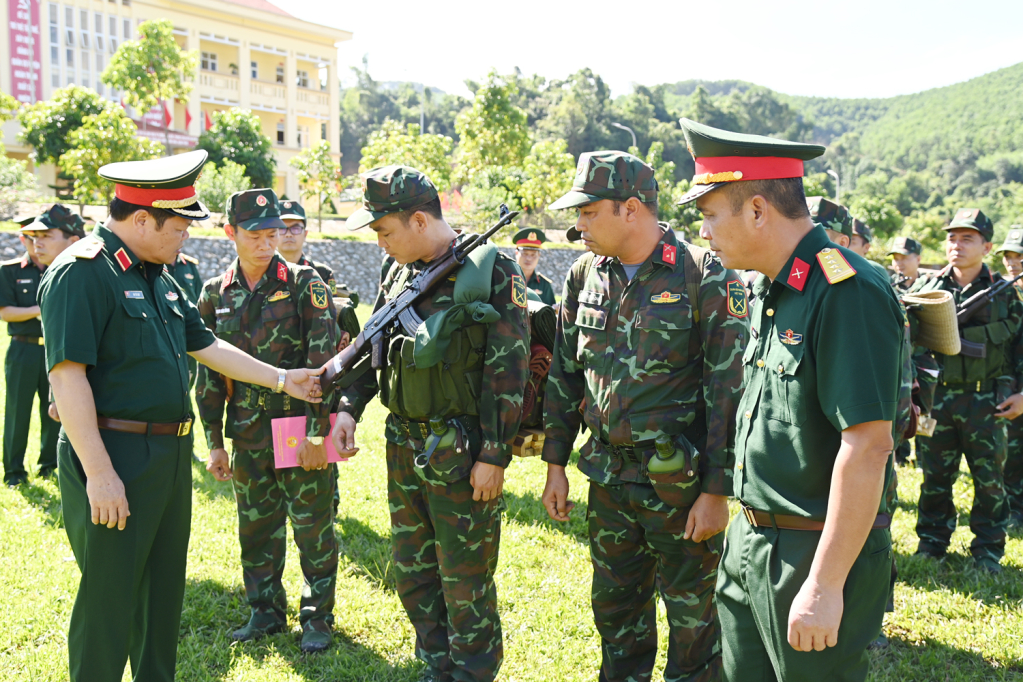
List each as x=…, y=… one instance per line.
x=316, y=637
x=261, y=624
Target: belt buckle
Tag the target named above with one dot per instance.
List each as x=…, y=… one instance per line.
x=750, y=516
x=185, y=428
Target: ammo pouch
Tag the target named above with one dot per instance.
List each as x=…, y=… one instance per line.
x=273, y=404
x=681, y=487
x=446, y=464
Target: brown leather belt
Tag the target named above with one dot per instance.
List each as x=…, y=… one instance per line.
x=31, y=340
x=759, y=519
x=179, y=429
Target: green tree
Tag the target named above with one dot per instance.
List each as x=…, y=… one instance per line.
x=106, y=137
x=16, y=184
x=491, y=187
x=47, y=125
x=8, y=107
x=817, y=185
x=493, y=132
x=319, y=176
x=152, y=69
x=216, y=184
x=882, y=215
x=237, y=135
x=549, y=170
x=395, y=143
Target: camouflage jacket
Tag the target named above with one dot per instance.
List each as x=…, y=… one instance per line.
x=326, y=274
x=996, y=325
x=505, y=353
x=631, y=365
x=268, y=324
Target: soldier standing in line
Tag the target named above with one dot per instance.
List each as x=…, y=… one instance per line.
x=118, y=328
x=805, y=574
x=185, y=271
x=292, y=243
x=1012, y=260
x=44, y=237
x=649, y=341
x=905, y=253
x=973, y=399
x=280, y=313
x=468, y=368
x=861, y=237
x=528, y=242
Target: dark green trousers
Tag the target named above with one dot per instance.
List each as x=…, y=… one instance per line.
x=637, y=550
x=25, y=374
x=133, y=581
x=761, y=572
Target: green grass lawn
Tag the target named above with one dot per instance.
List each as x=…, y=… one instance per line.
x=950, y=622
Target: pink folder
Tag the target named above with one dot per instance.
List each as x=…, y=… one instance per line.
x=288, y=434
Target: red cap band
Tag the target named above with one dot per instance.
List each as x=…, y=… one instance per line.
x=750, y=167
x=146, y=197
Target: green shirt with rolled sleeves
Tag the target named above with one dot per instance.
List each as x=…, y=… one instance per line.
x=128, y=322
x=823, y=358
x=19, y=282
x=630, y=364
x=543, y=288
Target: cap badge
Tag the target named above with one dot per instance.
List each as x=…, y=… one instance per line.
x=287, y=204
x=790, y=338
x=532, y=236
x=260, y=200
x=665, y=297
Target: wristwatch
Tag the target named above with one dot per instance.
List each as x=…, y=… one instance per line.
x=315, y=440
x=282, y=375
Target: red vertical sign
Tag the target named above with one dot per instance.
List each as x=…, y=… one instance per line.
x=26, y=60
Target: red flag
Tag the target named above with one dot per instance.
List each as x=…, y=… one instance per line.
x=209, y=123
x=188, y=118
x=167, y=116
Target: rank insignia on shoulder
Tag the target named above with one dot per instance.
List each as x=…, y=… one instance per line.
x=665, y=297
x=87, y=248
x=189, y=259
x=171, y=296
x=279, y=296
x=134, y=295
x=737, y=299
x=836, y=268
x=518, y=292
x=790, y=338
x=318, y=292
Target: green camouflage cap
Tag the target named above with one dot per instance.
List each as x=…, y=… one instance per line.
x=1013, y=240
x=609, y=175
x=56, y=217
x=907, y=246
x=292, y=210
x=830, y=215
x=973, y=219
x=862, y=229
x=529, y=238
x=254, y=209
x=390, y=189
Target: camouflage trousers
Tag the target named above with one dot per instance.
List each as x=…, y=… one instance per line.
x=636, y=546
x=445, y=549
x=267, y=498
x=966, y=425
x=1014, y=467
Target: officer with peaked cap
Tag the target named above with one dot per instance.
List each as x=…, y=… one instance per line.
x=528, y=242
x=118, y=331
x=905, y=253
x=1012, y=260
x=804, y=578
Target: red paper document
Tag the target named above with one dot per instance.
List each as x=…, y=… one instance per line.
x=288, y=434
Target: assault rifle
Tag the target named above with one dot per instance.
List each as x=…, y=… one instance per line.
x=372, y=341
x=969, y=307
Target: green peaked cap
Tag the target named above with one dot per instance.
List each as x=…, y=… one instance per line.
x=1013, y=240
x=292, y=210
x=830, y=215
x=529, y=238
x=907, y=246
x=973, y=219
x=723, y=156
x=166, y=183
x=57, y=217
x=390, y=189
x=254, y=209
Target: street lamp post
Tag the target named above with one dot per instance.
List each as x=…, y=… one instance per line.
x=630, y=130
x=838, y=185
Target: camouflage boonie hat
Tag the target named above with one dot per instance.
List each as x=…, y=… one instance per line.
x=292, y=210
x=862, y=229
x=830, y=215
x=973, y=219
x=907, y=246
x=56, y=217
x=390, y=189
x=1013, y=240
x=254, y=209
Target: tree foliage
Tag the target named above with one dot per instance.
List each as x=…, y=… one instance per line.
x=8, y=107
x=16, y=184
x=548, y=170
x=216, y=184
x=395, y=143
x=493, y=131
x=237, y=135
x=153, y=68
x=46, y=126
x=319, y=176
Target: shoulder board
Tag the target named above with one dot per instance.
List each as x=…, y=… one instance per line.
x=189, y=259
x=836, y=268
x=544, y=278
x=13, y=261
x=86, y=248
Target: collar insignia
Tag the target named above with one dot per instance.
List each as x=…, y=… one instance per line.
x=668, y=254
x=797, y=275
x=790, y=338
x=123, y=259
x=282, y=271
x=665, y=297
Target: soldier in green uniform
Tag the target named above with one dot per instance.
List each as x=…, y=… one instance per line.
x=528, y=242
x=185, y=271
x=649, y=341
x=292, y=242
x=862, y=235
x=25, y=366
x=805, y=574
x=118, y=329
x=1012, y=260
x=905, y=253
x=840, y=227
x=279, y=313
x=467, y=364
x=972, y=401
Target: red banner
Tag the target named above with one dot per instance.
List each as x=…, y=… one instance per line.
x=26, y=52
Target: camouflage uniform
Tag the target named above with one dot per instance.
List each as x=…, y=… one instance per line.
x=284, y=321
x=185, y=271
x=964, y=407
x=1013, y=472
x=445, y=545
x=634, y=360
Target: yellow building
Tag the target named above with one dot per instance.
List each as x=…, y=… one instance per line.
x=253, y=55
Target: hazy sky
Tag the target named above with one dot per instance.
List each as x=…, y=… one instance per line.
x=866, y=48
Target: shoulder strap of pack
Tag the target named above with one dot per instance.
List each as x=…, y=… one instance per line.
x=694, y=277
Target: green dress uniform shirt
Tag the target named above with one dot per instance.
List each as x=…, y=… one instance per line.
x=19, y=282
x=186, y=273
x=543, y=288
x=128, y=322
x=823, y=358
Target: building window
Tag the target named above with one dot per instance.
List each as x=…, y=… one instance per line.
x=302, y=79
x=280, y=133
x=209, y=61
x=323, y=131
x=99, y=72
x=127, y=29
x=126, y=3
x=113, y=34
x=99, y=31
x=85, y=29
x=70, y=78
x=323, y=79
x=54, y=46
x=70, y=58
x=280, y=74
x=69, y=26
x=255, y=70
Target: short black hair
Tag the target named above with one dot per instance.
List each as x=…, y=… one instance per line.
x=122, y=210
x=430, y=208
x=785, y=194
x=650, y=206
